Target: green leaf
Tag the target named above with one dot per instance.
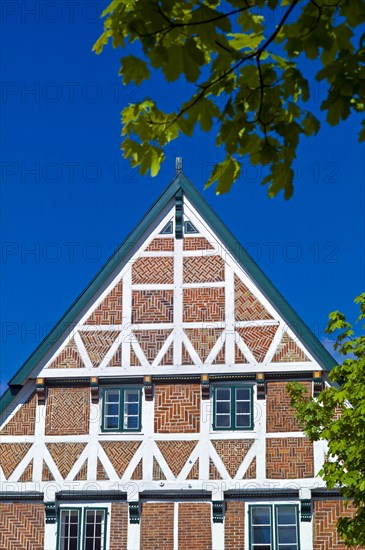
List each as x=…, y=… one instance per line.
x=134, y=69
x=240, y=41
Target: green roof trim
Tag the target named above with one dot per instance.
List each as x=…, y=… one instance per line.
x=180, y=182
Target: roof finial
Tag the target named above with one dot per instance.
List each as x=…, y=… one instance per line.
x=178, y=165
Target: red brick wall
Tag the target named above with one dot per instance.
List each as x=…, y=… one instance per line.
x=326, y=514
x=203, y=269
x=23, y=422
x=21, y=526
x=195, y=526
x=177, y=408
x=152, y=306
x=157, y=526
x=119, y=526
x=67, y=411
x=289, y=458
x=234, y=526
x=155, y=270
x=279, y=413
x=203, y=304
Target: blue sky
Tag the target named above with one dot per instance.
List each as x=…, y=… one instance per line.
x=68, y=198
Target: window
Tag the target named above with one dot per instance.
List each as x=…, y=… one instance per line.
x=274, y=527
x=122, y=409
x=232, y=408
x=75, y=534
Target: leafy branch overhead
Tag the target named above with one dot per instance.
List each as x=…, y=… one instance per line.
x=242, y=58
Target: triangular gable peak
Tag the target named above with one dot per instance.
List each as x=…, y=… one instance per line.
x=180, y=296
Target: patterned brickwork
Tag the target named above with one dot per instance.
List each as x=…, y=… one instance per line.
x=46, y=473
x=203, y=340
x=116, y=360
x=258, y=340
x=157, y=526
x=232, y=452
x=82, y=473
x=195, y=526
x=165, y=244
x=67, y=411
x=100, y=471
x=220, y=358
x=69, y=358
x=176, y=453
x=289, y=458
x=23, y=422
x=234, y=525
x=288, y=351
x=137, y=474
x=177, y=408
x=109, y=312
x=98, y=343
x=251, y=470
x=152, y=306
x=203, y=269
x=197, y=243
x=203, y=304
x=168, y=358
x=238, y=356
x=120, y=453
x=65, y=455
x=11, y=454
x=157, y=471
x=118, y=526
x=326, y=514
x=21, y=526
x=213, y=472
x=247, y=307
x=280, y=416
x=151, y=341
x=135, y=362
x=194, y=472
x=27, y=475
x=155, y=270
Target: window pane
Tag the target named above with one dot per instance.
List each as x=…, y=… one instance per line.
x=131, y=409
x=131, y=396
x=112, y=409
x=242, y=406
x=69, y=529
x=223, y=421
x=288, y=547
x=242, y=421
x=111, y=422
x=287, y=535
x=286, y=515
x=261, y=534
x=223, y=406
x=112, y=396
x=243, y=394
x=132, y=422
x=94, y=530
x=223, y=394
x=261, y=515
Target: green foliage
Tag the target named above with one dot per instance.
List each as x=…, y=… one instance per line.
x=338, y=416
x=246, y=53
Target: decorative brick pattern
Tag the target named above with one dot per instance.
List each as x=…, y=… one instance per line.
x=232, y=452
x=165, y=244
x=100, y=471
x=197, y=243
x=203, y=340
x=46, y=473
x=288, y=351
x=157, y=526
x=213, y=472
x=22, y=526
x=98, y=343
x=82, y=473
x=168, y=358
x=258, y=340
x=119, y=526
x=116, y=360
x=251, y=470
x=67, y=411
x=280, y=416
x=177, y=408
x=151, y=341
x=135, y=362
x=11, y=454
x=238, y=355
x=157, y=471
x=220, y=358
x=289, y=458
x=155, y=270
x=120, y=453
x=203, y=304
x=65, y=455
x=203, y=269
x=69, y=358
x=195, y=526
x=194, y=472
x=137, y=474
x=234, y=525
x=23, y=422
x=247, y=307
x=109, y=312
x=326, y=514
x=176, y=453
x=27, y=475
x=152, y=306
